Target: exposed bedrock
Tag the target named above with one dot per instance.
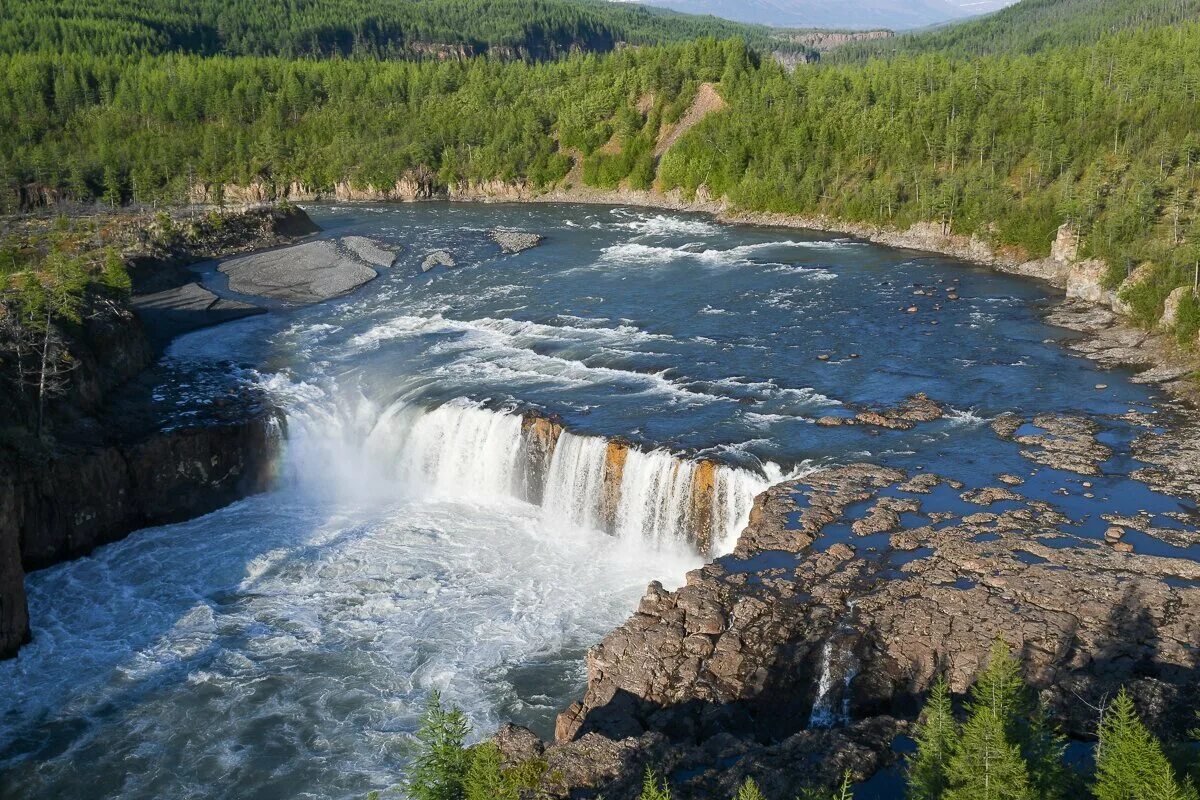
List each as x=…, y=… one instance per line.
x=817, y=620
x=77, y=501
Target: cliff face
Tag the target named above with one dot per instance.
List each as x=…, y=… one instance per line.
x=762, y=654
x=100, y=475
x=76, y=501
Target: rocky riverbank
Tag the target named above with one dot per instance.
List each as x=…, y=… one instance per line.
x=849, y=592
x=1081, y=280
x=107, y=466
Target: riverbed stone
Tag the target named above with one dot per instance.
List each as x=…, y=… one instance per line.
x=512, y=241
x=303, y=273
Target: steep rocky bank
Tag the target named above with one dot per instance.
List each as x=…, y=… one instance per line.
x=107, y=466
x=849, y=592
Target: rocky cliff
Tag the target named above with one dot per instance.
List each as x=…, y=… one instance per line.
x=103, y=471
x=849, y=592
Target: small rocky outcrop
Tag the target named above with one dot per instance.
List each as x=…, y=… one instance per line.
x=906, y=416
x=438, y=258
x=1172, y=305
x=302, y=273
x=369, y=251
x=1086, y=282
x=512, y=242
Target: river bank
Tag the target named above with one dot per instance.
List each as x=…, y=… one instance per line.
x=107, y=464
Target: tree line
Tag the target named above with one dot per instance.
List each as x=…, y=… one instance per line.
x=379, y=29
x=1006, y=148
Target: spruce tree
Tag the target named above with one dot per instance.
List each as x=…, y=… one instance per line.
x=440, y=768
x=1130, y=763
x=987, y=763
x=749, y=791
x=653, y=788
x=936, y=736
x=485, y=777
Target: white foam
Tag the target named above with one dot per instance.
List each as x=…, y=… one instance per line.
x=635, y=253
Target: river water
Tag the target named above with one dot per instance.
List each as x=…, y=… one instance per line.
x=283, y=647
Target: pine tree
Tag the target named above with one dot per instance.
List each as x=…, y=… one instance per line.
x=485, y=777
x=440, y=768
x=1130, y=763
x=936, y=736
x=987, y=763
x=749, y=791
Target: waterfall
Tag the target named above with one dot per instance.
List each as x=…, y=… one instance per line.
x=463, y=451
x=839, y=666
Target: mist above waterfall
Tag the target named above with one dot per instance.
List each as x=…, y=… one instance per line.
x=463, y=451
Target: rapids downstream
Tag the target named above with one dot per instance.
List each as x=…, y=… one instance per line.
x=485, y=467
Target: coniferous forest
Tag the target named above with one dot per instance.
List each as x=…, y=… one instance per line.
x=1007, y=146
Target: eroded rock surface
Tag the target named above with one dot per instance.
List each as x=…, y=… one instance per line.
x=733, y=661
x=303, y=273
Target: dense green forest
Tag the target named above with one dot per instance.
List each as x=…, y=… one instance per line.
x=1006, y=147
x=360, y=28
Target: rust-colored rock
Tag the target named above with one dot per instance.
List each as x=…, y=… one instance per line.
x=540, y=435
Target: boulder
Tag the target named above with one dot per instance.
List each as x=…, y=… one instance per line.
x=511, y=241
x=370, y=251
x=303, y=273
x=1171, y=307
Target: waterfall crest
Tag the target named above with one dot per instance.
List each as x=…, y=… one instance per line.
x=463, y=451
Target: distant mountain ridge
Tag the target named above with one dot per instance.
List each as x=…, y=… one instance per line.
x=1032, y=26
x=852, y=14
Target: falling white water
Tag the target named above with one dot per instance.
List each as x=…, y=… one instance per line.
x=839, y=667
x=462, y=451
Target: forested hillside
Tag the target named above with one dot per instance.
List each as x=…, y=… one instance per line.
x=537, y=29
x=1035, y=25
x=1005, y=147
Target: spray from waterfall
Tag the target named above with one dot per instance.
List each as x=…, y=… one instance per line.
x=463, y=451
